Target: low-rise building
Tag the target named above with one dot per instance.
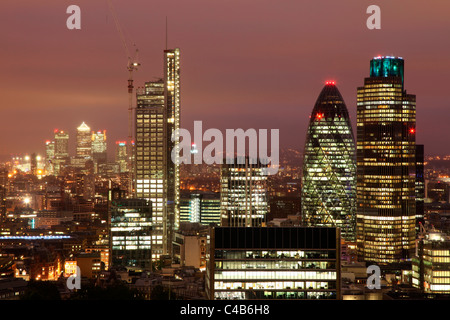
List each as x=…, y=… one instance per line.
x=431, y=264
x=273, y=263
x=189, y=246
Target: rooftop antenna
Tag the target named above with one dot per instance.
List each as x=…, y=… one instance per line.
x=166, y=33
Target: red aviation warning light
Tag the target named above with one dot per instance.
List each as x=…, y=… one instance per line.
x=330, y=82
x=319, y=116
x=412, y=130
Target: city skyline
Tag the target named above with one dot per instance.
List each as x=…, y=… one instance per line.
x=135, y=163
x=231, y=65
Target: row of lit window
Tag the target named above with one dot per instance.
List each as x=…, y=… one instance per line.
x=268, y=264
x=275, y=254
x=131, y=242
x=266, y=294
x=131, y=247
x=248, y=275
x=147, y=116
x=278, y=285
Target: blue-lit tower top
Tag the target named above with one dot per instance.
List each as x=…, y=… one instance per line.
x=387, y=66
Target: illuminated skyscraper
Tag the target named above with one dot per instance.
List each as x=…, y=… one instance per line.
x=61, y=150
x=84, y=143
x=99, y=147
x=386, y=172
x=329, y=166
x=243, y=192
x=121, y=156
x=172, y=106
x=420, y=186
x=150, y=155
x=156, y=175
x=49, y=156
x=61, y=144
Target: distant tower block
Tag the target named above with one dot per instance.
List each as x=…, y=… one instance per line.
x=84, y=143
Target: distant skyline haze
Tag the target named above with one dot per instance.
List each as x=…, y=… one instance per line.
x=244, y=64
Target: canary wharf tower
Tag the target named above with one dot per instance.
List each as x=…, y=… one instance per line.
x=329, y=166
x=386, y=121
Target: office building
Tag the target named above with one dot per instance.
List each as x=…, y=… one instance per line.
x=156, y=174
x=84, y=143
x=200, y=207
x=90, y=264
x=386, y=171
x=49, y=156
x=61, y=144
x=121, y=156
x=150, y=156
x=246, y=263
x=99, y=147
x=438, y=191
x=329, y=166
x=281, y=207
x=190, y=245
x=420, y=185
x=172, y=106
x=131, y=224
x=243, y=192
x=431, y=263
x=61, y=151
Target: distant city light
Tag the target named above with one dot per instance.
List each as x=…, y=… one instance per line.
x=33, y=237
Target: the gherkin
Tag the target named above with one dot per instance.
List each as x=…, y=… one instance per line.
x=329, y=166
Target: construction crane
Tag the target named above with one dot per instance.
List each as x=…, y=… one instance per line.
x=132, y=65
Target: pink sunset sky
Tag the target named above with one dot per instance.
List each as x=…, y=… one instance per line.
x=244, y=63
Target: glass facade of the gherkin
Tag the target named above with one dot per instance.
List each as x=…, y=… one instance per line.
x=329, y=166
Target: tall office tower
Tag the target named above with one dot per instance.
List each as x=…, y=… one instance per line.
x=121, y=156
x=49, y=156
x=156, y=175
x=243, y=192
x=61, y=144
x=84, y=143
x=150, y=156
x=61, y=151
x=99, y=147
x=172, y=121
x=329, y=166
x=420, y=186
x=386, y=172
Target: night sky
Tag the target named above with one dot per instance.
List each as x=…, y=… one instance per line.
x=244, y=63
